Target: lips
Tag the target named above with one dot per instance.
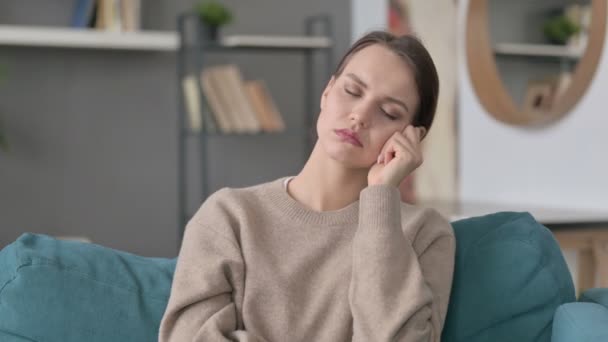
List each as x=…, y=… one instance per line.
x=349, y=137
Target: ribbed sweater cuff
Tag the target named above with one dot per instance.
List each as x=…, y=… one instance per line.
x=379, y=206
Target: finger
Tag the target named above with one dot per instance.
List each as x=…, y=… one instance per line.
x=408, y=128
x=408, y=139
x=405, y=149
x=384, y=149
x=389, y=153
x=412, y=134
x=423, y=132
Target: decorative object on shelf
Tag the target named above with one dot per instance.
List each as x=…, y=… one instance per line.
x=581, y=16
x=559, y=29
x=213, y=15
x=544, y=93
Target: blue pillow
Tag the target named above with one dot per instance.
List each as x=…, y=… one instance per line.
x=509, y=279
x=54, y=290
x=581, y=322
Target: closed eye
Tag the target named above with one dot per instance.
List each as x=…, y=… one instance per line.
x=352, y=93
x=389, y=116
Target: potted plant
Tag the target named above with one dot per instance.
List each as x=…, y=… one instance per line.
x=213, y=15
x=559, y=29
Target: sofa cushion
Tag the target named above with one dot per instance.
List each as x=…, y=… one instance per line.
x=510, y=277
x=596, y=295
x=53, y=290
x=581, y=322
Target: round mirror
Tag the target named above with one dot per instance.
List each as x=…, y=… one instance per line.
x=531, y=61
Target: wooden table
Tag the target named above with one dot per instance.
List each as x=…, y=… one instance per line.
x=585, y=231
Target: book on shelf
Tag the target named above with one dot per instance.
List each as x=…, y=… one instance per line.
x=131, y=17
x=267, y=111
x=197, y=107
x=108, y=15
x=221, y=94
x=239, y=106
x=192, y=103
x=83, y=13
x=216, y=105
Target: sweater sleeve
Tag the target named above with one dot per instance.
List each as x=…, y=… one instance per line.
x=396, y=294
x=208, y=280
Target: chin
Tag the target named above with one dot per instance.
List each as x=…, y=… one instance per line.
x=341, y=153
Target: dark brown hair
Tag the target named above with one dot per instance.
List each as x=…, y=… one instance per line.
x=415, y=54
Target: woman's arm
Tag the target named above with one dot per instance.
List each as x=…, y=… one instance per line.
x=208, y=282
x=396, y=294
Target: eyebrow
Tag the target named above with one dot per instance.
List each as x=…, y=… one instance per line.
x=388, y=98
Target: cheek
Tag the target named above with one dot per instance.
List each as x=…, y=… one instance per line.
x=381, y=136
x=336, y=104
x=333, y=111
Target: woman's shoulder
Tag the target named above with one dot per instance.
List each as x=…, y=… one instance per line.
x=425, y=221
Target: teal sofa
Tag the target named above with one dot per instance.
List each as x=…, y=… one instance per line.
x=511, y=283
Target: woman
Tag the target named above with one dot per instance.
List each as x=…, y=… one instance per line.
x=331, y=254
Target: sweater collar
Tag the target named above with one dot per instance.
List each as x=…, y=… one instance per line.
x=288, y=206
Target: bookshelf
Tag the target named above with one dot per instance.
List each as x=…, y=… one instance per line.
x=316, y=45
x=65, y=37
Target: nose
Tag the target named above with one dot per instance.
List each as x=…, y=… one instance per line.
x=362, y=115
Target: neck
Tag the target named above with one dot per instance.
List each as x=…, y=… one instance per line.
x=325, y=184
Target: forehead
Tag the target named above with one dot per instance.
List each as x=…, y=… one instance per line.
x=382, y=69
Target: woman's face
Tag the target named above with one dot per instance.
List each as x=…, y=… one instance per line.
x=374, y=97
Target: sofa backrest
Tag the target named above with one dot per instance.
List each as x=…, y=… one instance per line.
x=510, y=276
x=53, y=290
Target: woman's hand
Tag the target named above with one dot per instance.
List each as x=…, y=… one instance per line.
x=400, y=156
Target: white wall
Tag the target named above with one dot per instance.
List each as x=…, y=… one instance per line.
x=564, y=165
x=367, y=15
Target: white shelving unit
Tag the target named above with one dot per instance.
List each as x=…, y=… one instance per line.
x=284, y=42
x=60, y=37
x=539, y=50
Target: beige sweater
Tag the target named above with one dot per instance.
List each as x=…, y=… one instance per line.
x=256, y=265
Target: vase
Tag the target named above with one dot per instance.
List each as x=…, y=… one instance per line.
x=210, y=32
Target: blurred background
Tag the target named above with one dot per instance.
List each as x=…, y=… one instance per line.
x=118, y=117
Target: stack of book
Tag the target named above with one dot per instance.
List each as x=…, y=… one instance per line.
x=107, y=15
x=229, y=103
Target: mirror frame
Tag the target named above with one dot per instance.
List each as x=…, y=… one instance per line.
x=485, y=77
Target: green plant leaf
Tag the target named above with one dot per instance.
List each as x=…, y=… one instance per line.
x=559, y=29
x=214, y=13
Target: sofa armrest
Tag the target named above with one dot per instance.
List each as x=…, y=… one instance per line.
x=581, y=322
x=597, y=295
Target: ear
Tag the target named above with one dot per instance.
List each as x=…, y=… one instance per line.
x=328, y=87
